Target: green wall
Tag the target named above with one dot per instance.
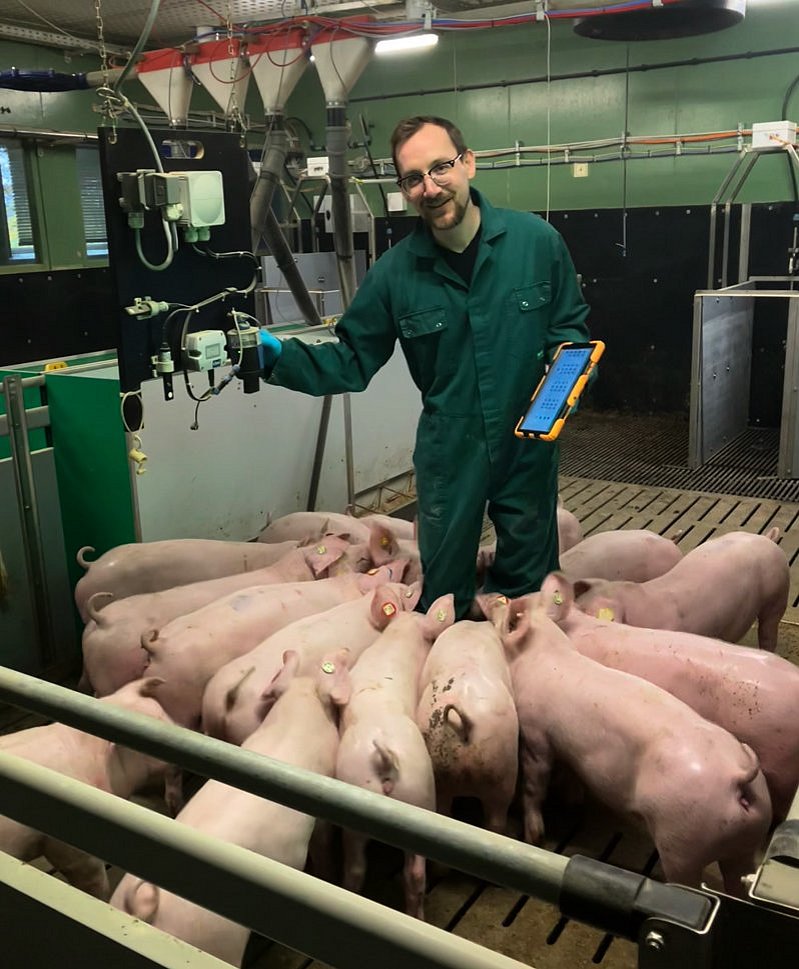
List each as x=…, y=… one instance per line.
x=669, y=101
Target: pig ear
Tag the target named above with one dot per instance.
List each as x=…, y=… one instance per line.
x=280, y=681
x=382, y=544
x=582, y=587
x=489, y=604
x=411, y=596
x=324, y=553
x=385, y=606
x=147, y=639
x=440, y=616
x=334, y=677
x=149, y=685
x=513, y=639
x=558, y=595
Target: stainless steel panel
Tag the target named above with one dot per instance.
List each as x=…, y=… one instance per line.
x=721, y=368
x=18, y=648
x=788, y=461
x=319, y=273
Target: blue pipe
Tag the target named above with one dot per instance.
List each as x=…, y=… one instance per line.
x=48, y=80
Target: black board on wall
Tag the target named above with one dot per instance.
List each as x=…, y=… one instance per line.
x=191, y=277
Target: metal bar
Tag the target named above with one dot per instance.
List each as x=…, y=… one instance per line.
x=743, y=245
x=711, y=253
x=730, y=176
x=725, y=247
x=484, y=854
x=349, y=462
x=37, y=908
x=346, y=930
x=788, y=458
x=319, y=452
x=29, y=517
x=696, y=439
x=37, y=418
x=747, y=168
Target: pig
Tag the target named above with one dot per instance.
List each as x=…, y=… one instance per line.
x=468, y=719
x=381, y=747
x=645, y=754
x=302, y=525
x=752, y=694
x=234, y=702
x=187, y=652
x=92, y=760
x=112, y=637
x=570, y=531
x=717, y=590
x=631, y=554
x=151, y=566
x=299, y=730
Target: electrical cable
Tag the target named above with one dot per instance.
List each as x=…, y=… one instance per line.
x=139, y=47
x=791, y=88
x=170, y=251
x=549, y=112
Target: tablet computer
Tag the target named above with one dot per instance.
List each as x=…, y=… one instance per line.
x=559, y=390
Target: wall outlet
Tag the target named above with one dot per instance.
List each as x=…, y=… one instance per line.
x=580, y=169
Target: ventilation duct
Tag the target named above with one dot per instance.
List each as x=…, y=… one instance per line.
x=683, y=19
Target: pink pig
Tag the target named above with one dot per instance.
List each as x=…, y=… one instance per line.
x=718, y=589
x=302, y=525
x=92, y=760
x=151, y=566
x=641, y=751
x=112, y=653
x=187, y=652
x=300, y=730
x=381, y=747
x=234, y=702
x=467, y=716
x=751, y=693
x=633, y=554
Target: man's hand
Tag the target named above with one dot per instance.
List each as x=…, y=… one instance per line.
x=269, y=349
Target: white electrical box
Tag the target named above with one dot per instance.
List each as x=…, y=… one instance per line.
x=201, y=198
x=319, y=165
x=205, y=349
x=396, y=202
x=773, y=134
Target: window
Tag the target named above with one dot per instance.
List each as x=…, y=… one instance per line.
x=16, y=230
x=91, y=195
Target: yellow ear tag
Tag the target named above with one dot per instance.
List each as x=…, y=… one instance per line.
x=409, y=594
x=441, y=615
x=503, y=600
x=385, y=541
x=321, y=549
x=372, y=572
x=389, y=608
x=328, y=667
x=606, y=613
x=557, y=598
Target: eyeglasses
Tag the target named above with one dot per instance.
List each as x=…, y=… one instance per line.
x=440, y=174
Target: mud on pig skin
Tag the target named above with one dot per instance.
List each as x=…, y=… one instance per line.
x=647, y=755
x=467, y=716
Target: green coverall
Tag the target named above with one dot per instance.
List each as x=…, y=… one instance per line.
x=476, y=352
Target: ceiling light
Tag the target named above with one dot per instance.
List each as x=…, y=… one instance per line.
x=414, y=42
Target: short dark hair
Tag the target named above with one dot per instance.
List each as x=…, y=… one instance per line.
x=408, y=127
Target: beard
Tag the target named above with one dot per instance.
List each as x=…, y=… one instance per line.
x=445, y=212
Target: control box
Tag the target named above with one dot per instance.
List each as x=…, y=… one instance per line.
x=205, y=349
x=773, y=134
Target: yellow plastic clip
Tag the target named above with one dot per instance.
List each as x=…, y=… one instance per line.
x=137, y=455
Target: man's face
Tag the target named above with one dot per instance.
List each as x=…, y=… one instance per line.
x=442, y=206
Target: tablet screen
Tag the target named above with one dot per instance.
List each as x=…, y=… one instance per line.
x=551, y=398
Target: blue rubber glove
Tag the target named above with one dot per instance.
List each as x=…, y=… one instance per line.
x=269, y=349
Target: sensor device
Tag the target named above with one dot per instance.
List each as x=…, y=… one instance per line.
x=559, y=390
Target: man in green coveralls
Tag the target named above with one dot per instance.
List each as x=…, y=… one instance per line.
x=479, y=299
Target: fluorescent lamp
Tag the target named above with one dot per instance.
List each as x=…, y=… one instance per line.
x=414, y=42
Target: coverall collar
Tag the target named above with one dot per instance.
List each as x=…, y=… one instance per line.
x=422, y=243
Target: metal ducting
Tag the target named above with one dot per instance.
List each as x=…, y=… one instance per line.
x=683, y=19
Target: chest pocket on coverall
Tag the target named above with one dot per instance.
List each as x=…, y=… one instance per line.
x=426, y=333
